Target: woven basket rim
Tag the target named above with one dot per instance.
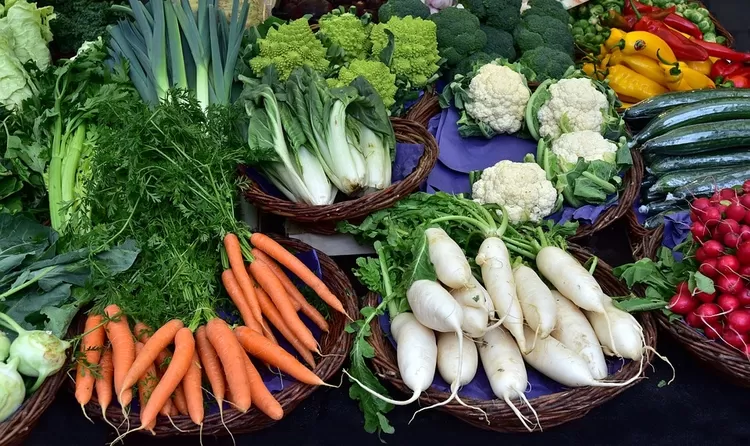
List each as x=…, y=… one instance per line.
x=428, y=106
x=554, y=409
x=406, y=131
x=335, y=345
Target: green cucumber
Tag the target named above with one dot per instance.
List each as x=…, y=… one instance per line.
x=659, y=207
x=680, y=178
x=700, y=138
x=708, y=185
x=708, y=111
x=654, y=106
x=725, y=158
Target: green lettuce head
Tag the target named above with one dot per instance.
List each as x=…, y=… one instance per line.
x=14, y=81
x=31, y=31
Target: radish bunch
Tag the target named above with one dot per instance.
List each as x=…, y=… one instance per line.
x=721, y=229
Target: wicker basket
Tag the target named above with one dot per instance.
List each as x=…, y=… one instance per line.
x=334, y=345
x=723, y=359
x=554, y=409
x=323, y=219
x=428, y=106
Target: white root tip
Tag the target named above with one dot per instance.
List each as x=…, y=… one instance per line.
x=623, y=383
x=83, y=409
x=413, y=398
x=531, y=408
x=468, y=406
x=521, y=417
x=665, y=359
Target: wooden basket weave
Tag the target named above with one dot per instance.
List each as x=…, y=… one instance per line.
x=13, y=431
x=428, y=106
x=554, y=409
x=334, y=346
x=323, y=219
x=716, y=355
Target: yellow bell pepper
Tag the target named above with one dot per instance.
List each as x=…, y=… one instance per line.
x=629, y=83
x=703, y=67
x=695, y=79
x=646, y=66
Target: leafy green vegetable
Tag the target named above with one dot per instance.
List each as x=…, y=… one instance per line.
x=79, y=21
x=30, y=29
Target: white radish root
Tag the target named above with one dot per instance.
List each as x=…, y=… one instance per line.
x=449, y=260
x=538, y=305
x=475, y=314
x=448, y=359
x=626, y=339
x=576, y=333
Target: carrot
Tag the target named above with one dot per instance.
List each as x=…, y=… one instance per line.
x=91, y=348
x=230, y=353
x=146, y=384
x=240, y=301
x=266, y=329
x=191, y=385
x=295, y=265
x=158, y=342
x=180, y=402
x=142, y=332
x=211, y=364
x=298, y=300
x=234, y=254
x=276, y=292
x=123, y=351
x=104, y=381
x=262, y=398
x=273, y=315
x=261, y=348
x=184, y=349
x=177, y=402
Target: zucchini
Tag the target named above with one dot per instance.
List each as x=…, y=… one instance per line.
x=657, y=220
x=663, y=164
x=654, y=106
x=680, y=178
x=708, y=185
x=700, y=138
x=651, y=197
x=659, y=207
x=708, y=111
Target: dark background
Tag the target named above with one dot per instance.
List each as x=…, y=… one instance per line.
x=697, y=409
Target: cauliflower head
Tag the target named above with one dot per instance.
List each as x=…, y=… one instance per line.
x=574, y=105
x=348, y=32
x=498, y=97
x=377, y=74
x=291, y=45
x=521, y=188
x=586, y=144
x=415, y=52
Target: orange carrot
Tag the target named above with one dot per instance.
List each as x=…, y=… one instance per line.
x=158, y=342
x=276, y=292
x=240, y=301
x=295, y=265
x=191, y=385
x=262, y=398
x=123, y=351
x=146, y=384
x=234, y=254
x=104, y=381
x=273, y=315
x=230, y=353
x=261, y=348
x=180, y=402
x=184, y=349
x=211, y=364
x=91, y=348
x=177, y=402
x=142, y=332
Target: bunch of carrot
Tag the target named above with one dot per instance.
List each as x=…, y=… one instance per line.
x=169, y=380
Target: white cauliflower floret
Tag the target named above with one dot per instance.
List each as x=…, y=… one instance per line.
x=498, y=97
x=522, y=188
x=574, y=105
x=586, y=144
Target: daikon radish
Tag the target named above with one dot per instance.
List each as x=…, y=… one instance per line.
x=626, y=338
x=448, y=359
x=475, y=314
x=576, y=333
x=538, y=305
x=449, y=260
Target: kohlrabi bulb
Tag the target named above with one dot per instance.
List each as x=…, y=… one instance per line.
x=4, y=346
x=12, y=389
x=40, y=354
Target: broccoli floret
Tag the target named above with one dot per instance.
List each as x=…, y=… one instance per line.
x=458, y=34
x=499, y=42
x=546, y=63
x=403, y=8
x=500, y=14
x=535, y=31
x=548, y=8
x=467, y=65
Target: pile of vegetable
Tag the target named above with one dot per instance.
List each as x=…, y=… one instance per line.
x=693, y=143
x=708, y=287
x=432, y=252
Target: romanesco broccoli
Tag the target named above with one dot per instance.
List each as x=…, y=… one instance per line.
x=290, y=46
x=415, y=53
x=376, y=73
x=348, y=31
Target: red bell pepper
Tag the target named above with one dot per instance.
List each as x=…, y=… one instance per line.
x=738, y=81
x=634, y=5
x=684, y=48
x=627, y=22
x=722, y=52
x=722, y=68
x=682, y=24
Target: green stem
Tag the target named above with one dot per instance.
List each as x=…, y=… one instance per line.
x=12, y=291
x=594, y=262
x=73, y=151
x=503, y=223
x=608, y=187
x=10, y=323
x=387, y=288
x=472, y=221
x=542, y=237
x=521, y=252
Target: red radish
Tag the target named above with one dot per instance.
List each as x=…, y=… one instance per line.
x=712, y=332
x=700, y=231
x=745, y=201
x=736, y=212
x=708, y=268
x=712, y=217
x=726, y=226
x=743, y=253
x=739, y=320
x=744, y=297
x=727, y=193
x=746, y=186
x=682, y=288
x=744, y=271
x=693, y=320
x=728, y=302
x=700, y=255
x=731, y=240
x=744, y=233
x=710, y=314
x=730, y=283
x=712, y=248
x=735, y=339
x=701, y=204
x=716, y=235
x=705, y=297
x=682, y=304
x=727, y=264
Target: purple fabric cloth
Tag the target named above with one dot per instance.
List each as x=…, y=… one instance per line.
x=460, y=156
x=676, y=228
x=479, y=388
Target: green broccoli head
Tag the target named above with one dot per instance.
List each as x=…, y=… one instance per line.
x=458, y=34
x=468, y=64
x=546, y=63
x=403, y=8
x=499, y=42
x=548, y=8
x=535, y=31
x=415, y=48
x=376, y=73
x=501, y=14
